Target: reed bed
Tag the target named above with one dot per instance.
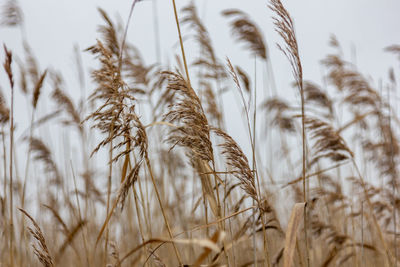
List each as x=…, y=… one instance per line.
x=158, y=180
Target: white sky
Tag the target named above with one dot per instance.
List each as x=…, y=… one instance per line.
x=54, y=26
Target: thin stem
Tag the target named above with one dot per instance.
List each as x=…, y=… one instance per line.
x=125, y=34
x=181, y=43
x=156, y=32
x=3, y=135
x=11, y=177
x=304, y=159
x=138, y=214
x=27, y=160
x=162, y=209
x=374, y=219
x=265, y=240
x=109, y=181
x=80, y=215
x=254, y=158
x=393, y=181
x=362, y=233
x=252, y=143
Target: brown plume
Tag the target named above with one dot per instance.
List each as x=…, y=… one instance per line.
x=7, y=66
x=65, y=102
x=327, y=142
x=11, y=14
x=278, y=110
x=246, y=31
x=40, y=248
x=43, y=154
x=285, y=28
x=193, y=132
x=4, y=110
x=237, y=160
x=210, y=67
x=37, y=89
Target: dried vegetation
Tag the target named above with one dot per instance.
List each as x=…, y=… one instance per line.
x=146, y=173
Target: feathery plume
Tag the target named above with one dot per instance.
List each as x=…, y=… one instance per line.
x=65, y=102
x=394, y=49
x=285, y=28
x=327, y=142
x=128, y=183
x=277, y=108
x=209, y=65
x=7, y=66
x=4, y=110
x=314, y=94
x=40, y=248
x=11, y=14
x=194, y=131
x=239, y=163
x=246, y=31
x=244, y=77
x=37, y=89
x=43, y=154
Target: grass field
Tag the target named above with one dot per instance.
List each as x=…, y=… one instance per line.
x=143, y=171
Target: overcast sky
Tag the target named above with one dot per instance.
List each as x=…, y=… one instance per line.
x=54, y=26
x=363, y=27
